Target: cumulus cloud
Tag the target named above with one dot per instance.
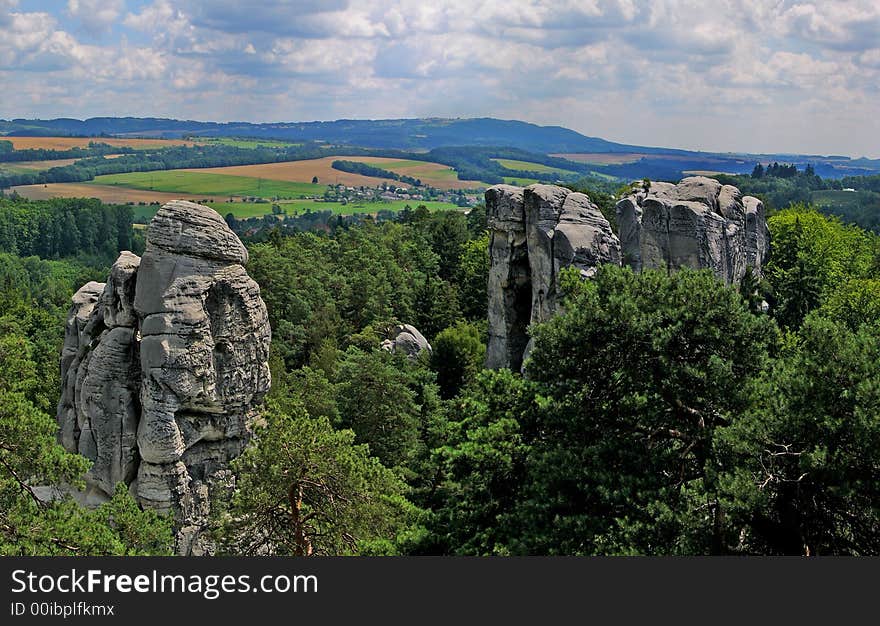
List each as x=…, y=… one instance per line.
x=849, y=26
x=96, y=16
x=31, y=42
x=870, y=58
x=684, y=73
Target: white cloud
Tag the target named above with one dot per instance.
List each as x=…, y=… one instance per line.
x=843, y=24
x=31, y=41
x=97, y=17
x=870, y=58
x=686, y=73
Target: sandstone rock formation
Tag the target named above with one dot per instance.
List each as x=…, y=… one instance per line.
x=538, y=230
x=164, y=366
x=697, y=223
x=406, y=339
x=534, y=233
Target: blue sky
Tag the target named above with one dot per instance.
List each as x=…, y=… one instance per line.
x=739, y=75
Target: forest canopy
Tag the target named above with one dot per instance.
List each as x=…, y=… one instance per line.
x=658, y=413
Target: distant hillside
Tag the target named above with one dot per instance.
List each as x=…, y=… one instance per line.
x=402, y=133
x=483, y=137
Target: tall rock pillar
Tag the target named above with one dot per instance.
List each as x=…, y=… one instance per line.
x=534, y=233
x=164, y=368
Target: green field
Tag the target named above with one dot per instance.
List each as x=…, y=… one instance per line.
x=392, y=165
x=12, y=168
x=178, y=181
x=241, y=210
x=238, y=142
x=434, y=174
x=301, y=206
x=403, y=165
x=836, y=199
x=604, y=176
x=244, y=210
x=520, y=182
x=528, y=166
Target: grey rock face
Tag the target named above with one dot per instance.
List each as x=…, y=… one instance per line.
x=510, y=286
x=165, y=365
x=537, y=231
x=406, y=339
x=76, y=341
x=698, y=223
x=534, y=233
x=191, y=229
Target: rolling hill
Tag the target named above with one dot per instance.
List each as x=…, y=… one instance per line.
x=396, y=133
x=418, y=136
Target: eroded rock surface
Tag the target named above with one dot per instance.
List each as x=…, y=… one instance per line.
x=538, y=230
x=164, y=367
x=698, y=223
x=534, y=233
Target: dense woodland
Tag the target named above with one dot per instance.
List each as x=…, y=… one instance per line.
x=781, y=186
x=8, y=153
x=658, y=414
x=365, y=169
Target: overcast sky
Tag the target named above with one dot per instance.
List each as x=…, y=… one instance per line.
x=738, y=75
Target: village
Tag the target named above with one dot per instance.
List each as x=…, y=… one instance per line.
x=389, y=193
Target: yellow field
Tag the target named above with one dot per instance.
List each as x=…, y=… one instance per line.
x=433, y=174
x=106, y=193
x=619, y=158
x=41, y=165
x=66, y=143
x=299, y=172
x=601, y=158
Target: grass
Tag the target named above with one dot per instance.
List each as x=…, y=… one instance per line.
x=434, y=170
x=701, y=172
x=520, y=182
x=23, y=167
x=237, y=142
x=66, y=143
x=241, y=210
x=834, y=198
x=13, y=168
x=434, y=174
x=300, y=206
x=604, y=176
x=244, y=210
x=210, y=184
x=389, y=164
x=528, y=166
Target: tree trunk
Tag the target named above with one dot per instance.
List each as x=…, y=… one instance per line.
x=302, y=545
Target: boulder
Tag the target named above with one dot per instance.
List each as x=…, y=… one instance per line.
x=407, y=340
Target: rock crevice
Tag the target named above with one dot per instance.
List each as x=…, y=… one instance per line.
x=534, y=233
